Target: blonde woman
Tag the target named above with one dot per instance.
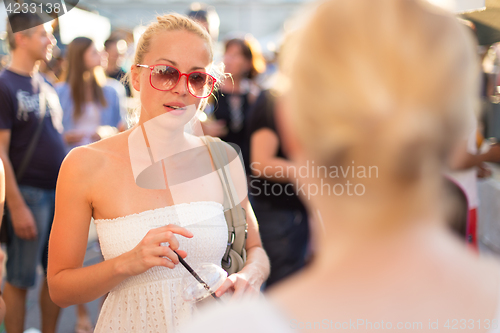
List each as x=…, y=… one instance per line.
x=134, y=223
x=383, y=86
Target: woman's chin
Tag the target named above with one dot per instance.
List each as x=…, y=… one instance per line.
x=172, y=119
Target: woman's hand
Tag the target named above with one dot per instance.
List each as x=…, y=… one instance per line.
x=483, y=171
x=150, y=252
x=23, y=223
x=240, y=284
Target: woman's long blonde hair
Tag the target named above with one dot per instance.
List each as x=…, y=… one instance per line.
x=386, y=82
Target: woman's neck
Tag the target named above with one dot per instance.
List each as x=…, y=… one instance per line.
x=344, y=238
x=162, y=140
x=23, y=65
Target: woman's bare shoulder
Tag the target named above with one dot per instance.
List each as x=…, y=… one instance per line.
x=464, y=267
x=479, y=272
x=92, y=158
x=452, y=275
x=113, y=143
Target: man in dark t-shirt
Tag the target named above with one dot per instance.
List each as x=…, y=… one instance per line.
x=27, y=101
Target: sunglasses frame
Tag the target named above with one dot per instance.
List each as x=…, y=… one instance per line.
x=181, y=75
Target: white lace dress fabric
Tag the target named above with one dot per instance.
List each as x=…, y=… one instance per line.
x=152, y=301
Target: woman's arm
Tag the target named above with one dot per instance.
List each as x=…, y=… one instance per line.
x=264, y=163
x=69, y=282
x=257, y=266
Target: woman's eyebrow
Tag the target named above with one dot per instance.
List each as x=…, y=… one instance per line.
x=176, y=65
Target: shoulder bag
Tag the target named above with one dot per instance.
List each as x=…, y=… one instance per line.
x=235, y=256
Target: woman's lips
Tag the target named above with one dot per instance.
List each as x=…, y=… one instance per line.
x=175, y=112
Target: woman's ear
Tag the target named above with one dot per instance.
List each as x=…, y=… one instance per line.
x=135, y=75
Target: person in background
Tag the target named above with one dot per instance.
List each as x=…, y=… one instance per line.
x=52, y=69
x=87, y=101
x=232, y=102
x=30, y=193
x=116, y=78
x=113, y=68
x=383, y=86
x=283, y=220
x=2, y=255
x=464, y=164
x=467, y=161
x=207, y=17
x=100, y=106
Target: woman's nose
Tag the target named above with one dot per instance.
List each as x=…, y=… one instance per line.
x=181, y=87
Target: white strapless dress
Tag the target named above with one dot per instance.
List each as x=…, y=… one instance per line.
x=152, y=301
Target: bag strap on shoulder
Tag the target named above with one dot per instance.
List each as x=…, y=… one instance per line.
x=235, y=218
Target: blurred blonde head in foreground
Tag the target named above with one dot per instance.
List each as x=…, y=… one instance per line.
x=388, y=84
x=381, y=83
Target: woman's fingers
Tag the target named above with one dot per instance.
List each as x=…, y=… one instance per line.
x=166, y=242
x=158, y=246
x=227, y=285
x=165, y=251
x=240, y=288
x=239, y=284
x=183, y=254
x=165, y=237
x=167, y=234
x=176, y=230
x=163, y=262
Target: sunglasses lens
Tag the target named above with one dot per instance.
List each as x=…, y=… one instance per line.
x=200, y=84
x=164, y=77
